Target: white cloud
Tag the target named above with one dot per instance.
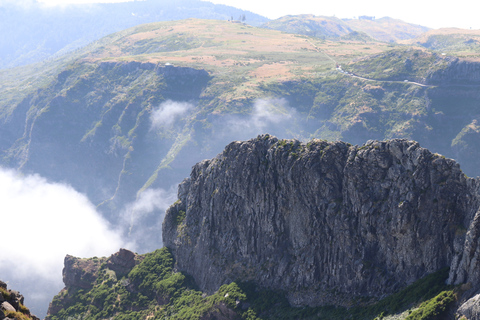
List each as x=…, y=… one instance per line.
x=268, y=115
x=270, y=111
x=168, y=112
x=42, y=222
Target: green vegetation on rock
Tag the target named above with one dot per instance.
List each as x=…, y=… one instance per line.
x=154, y=289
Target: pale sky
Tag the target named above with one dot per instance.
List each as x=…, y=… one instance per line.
x=429, y=13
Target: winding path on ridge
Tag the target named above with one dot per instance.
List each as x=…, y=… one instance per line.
x=387, y=81
x=339, y=69
x=366, y=79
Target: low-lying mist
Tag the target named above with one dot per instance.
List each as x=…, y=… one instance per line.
x=142, y=219
x=269, y=115
x=169, y=111
x=43, y=221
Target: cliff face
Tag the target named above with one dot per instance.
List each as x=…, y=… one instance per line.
x=324, y=222
x=458, y=72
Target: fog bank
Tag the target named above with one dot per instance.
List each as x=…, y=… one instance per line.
x=41, y=223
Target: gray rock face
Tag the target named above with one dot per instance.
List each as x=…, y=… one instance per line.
x=457, y=71
x=466, y=265
x=470, y=309
x=79, y=272
x=82, y=273
x=324, y=222
x=7, y=306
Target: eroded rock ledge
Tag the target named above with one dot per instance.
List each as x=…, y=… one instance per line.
x=11, y=304
x=325, y=222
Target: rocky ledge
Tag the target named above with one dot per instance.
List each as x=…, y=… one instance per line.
x=82, y=273
x=325, y=222
x=11, y=304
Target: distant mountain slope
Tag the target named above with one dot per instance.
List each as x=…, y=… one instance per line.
x=311, y=25
x=452, y=41
x=387, y=29
x=384, y=29
x=31, y=32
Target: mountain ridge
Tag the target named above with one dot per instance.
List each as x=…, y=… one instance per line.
x=280, y=75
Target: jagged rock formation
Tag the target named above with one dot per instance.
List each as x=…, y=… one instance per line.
x=11, y=304
x=326, y=222
x=82, y=273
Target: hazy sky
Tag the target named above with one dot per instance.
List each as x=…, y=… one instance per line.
x=433, y=14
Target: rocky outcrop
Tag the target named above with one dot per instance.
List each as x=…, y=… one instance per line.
x=82, y=273
x=470, y=309
x=11, y=304
x=325, y=222
x=122, y=262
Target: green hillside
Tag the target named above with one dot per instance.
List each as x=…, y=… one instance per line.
x=387, y=29
x=457, y=42
x=308, y=24
x=152, y=289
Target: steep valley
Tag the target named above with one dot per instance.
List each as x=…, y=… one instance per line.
x=345, y=223
x=92, y=126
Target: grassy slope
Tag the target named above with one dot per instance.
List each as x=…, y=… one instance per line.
x=241, y=58
x=38, y=31
x=231, y=52
x=311, y=25
x=462, y=43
